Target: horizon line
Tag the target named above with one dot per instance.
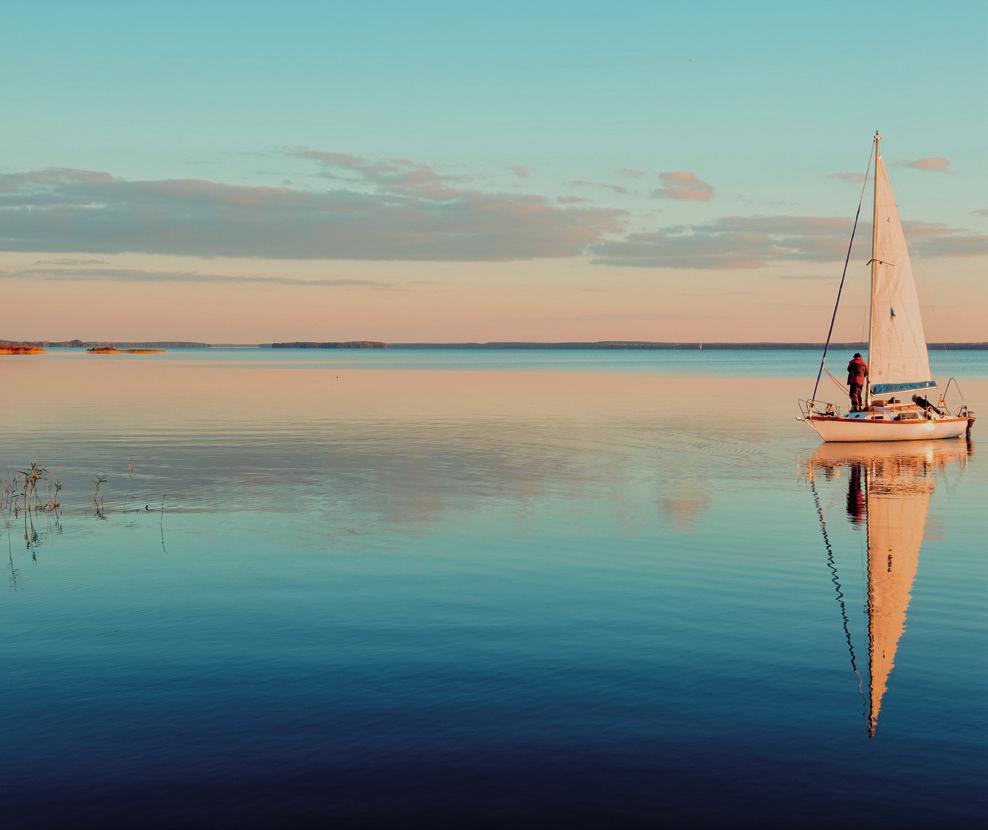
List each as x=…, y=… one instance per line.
x=490, y=344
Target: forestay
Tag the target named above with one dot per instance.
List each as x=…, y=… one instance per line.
x=898, y=360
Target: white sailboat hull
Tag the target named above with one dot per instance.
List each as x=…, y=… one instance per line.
x=847, y=429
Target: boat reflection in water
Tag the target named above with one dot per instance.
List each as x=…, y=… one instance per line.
x=888, y=491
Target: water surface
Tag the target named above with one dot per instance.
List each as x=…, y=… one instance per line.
x=475, y=589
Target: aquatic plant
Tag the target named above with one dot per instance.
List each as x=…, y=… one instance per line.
x=8, y=489
x=162, y=523
x=20, y=492
x=98, y=496
x=128, y=495
x=51, y=503
x=10, y=560
x=21, y=495
x=32, y=478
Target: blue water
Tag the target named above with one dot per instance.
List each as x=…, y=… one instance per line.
x=423, y=597
x=794, y=363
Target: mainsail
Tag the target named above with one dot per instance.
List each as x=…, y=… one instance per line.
x=897, y=356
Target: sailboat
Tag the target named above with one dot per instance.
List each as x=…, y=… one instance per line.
x=889, y=489
x=898, y=401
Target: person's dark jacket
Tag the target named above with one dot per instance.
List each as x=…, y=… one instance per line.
x=857, y=371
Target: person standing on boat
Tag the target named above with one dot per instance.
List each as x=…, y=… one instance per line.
x=857, y=373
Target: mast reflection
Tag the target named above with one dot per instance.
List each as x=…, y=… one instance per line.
x=889, y=485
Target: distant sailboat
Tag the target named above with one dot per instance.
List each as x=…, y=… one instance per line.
x=889, y=487
x=898, y=399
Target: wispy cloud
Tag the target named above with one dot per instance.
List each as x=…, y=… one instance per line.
x=738, y=242
x=71, y=261
x=981, y=211
x=935, y=164
x=953, y=243
x=848, y=176
x=613, y=188
x=389, y=175
x=136, y=275
x=16, y=182
x=390, y=210
x=631, y=172
x=683, y=185
x=521, y=172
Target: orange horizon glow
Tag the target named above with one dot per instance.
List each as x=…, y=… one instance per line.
x=533, y=301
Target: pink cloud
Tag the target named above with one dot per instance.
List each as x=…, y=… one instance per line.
x=935, y=164
x=631, y=172
x=683, y=185
x=521, y=172
x=981, y=211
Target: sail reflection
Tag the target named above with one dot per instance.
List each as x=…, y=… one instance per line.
x=889, y=485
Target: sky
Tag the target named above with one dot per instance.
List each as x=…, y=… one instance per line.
x=437, y=171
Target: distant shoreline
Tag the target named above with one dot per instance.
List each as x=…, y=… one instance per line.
x=110, y=344
x=669, y=346
x=602, y=345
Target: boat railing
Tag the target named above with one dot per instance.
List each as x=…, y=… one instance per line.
x=810, y=408
x=946, y=389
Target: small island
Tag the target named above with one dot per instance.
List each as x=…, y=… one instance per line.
x=115, y=350
x=86, y=344
x=21, y=348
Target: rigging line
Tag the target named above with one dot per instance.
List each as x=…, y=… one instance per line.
x=843, y=276
x=835, y=578
x=837, y=383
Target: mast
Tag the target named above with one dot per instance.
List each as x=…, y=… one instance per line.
x=874, y=264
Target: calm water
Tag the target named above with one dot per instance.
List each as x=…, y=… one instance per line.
x=447, y=589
